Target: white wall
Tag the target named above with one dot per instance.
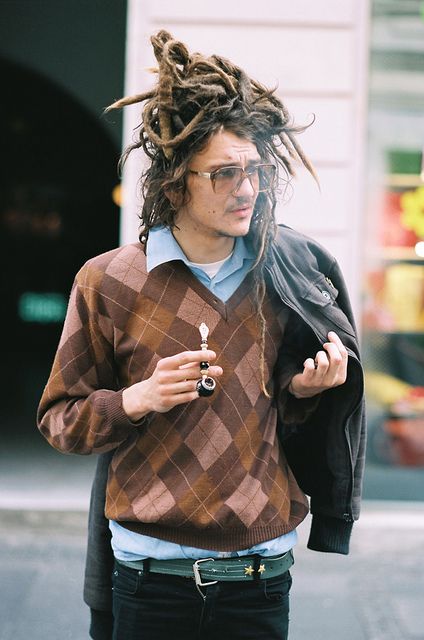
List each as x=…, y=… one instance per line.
x=316, y=51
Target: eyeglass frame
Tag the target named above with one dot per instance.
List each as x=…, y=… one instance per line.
x=243, y=176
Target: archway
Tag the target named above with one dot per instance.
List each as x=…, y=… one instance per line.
x=56, y=211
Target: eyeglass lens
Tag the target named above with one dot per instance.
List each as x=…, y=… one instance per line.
x=228, y=179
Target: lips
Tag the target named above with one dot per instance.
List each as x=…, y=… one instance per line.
x=242, y=209
x=241, y=213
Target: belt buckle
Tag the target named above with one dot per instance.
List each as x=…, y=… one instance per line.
x=198, y=577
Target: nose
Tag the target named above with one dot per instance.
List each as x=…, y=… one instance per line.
x=244, y=187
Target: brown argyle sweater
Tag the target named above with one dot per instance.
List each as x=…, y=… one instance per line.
x=209, y=474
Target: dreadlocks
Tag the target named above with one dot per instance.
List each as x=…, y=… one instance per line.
x=195, y=97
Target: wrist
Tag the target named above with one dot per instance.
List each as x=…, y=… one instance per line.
x=134, y=404
x=299, y=393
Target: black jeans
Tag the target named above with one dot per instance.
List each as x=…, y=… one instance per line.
x=157, y=607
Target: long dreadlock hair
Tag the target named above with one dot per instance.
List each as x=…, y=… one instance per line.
x=195, y=97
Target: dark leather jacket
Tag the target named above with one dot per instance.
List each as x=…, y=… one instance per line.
x=325, y=451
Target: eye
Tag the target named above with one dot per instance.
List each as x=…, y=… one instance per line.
x=227, y=173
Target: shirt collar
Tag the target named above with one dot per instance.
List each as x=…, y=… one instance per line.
x=162, y=247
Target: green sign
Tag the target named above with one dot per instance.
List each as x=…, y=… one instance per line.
x=42, y=307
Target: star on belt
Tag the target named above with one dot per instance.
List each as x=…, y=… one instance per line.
x=249, y=570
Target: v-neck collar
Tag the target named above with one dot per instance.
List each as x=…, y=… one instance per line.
x=202, y=290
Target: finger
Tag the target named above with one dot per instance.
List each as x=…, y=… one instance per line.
x=187, y=357
x=186, y=366
x=342, y=352
x=177, y=388
x=183, y=398
x=309, y=364
x=309, y=369
x=334, y=354
x=190, y=365
x=193, y=373
x=334, y=338
x=322, y=362
x=337, y=371
x=194, y=366
x=168, y=402
x=215, y=371
x=166, y=377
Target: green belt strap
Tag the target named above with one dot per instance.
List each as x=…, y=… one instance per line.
x=222, y=569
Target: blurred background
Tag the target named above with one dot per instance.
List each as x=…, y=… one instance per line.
x=357, y=66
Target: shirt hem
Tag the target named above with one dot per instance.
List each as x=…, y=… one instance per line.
x=225, y=540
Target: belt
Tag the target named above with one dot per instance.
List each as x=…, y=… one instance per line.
x=208, y=571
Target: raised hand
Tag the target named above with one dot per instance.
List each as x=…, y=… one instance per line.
x=327, y=370
x=173, y=382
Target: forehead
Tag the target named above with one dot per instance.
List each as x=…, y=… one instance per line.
x=225, y=147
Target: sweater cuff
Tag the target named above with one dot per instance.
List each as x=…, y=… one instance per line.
x=110, y=406
x=116, y=414
x=329, y=534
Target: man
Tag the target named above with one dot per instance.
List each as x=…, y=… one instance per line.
x=206, y=485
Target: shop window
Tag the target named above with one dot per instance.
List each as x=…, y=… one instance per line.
x=393, y=305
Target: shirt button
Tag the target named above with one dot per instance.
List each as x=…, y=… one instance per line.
x=326, y=295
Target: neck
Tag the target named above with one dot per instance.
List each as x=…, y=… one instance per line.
x=204, y=249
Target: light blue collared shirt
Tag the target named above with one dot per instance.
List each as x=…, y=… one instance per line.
x=127, y=545
x=162, y=247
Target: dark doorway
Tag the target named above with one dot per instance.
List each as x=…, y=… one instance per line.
x=56, y=211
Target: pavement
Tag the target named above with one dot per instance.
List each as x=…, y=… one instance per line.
x=375, y=593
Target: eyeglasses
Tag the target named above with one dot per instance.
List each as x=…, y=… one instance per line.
x=228, y=179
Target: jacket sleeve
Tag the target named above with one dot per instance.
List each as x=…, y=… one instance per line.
x=295, y=348
x=81, y=407
x=326, y=453
x=99, y=558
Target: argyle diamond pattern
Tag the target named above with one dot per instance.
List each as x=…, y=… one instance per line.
x=210, y=473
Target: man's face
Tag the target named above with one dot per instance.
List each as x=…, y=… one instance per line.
x=212, y=214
